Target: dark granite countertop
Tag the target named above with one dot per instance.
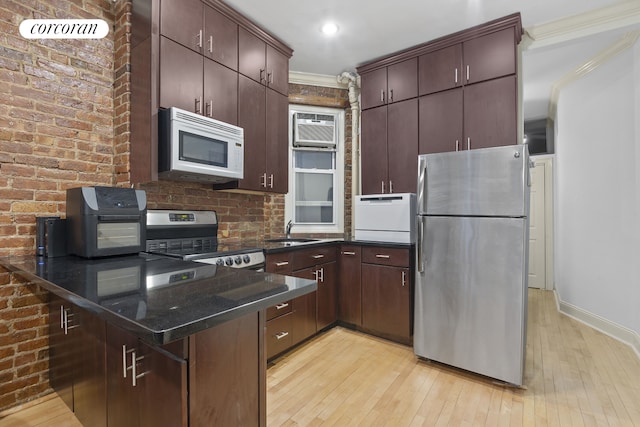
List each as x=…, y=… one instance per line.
x=157, y=298
x=271, y=247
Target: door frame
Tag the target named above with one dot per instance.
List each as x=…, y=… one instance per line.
x=547, y=161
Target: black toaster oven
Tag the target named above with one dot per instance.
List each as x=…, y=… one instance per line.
x=105, y=221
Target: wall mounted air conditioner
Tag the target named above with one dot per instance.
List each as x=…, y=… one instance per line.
x=314, y=130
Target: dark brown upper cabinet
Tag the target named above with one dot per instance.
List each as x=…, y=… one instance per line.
x=391, y=84
x=201, y=29
x=262, y=63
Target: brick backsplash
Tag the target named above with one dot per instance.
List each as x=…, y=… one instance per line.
x=65, y=122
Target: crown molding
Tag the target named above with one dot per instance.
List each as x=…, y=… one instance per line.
x=310, y=79
x=608, y=18
x=627, y=41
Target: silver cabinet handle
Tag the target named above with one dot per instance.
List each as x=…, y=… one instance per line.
x=282, y=264
x=382, y=256
x=269, y=77
x=281, y=306
x=456, y=76
x=468, y=143
x=271, y=181
x=263, y=180
x=210, y=44
x=457, y=145
x=318, y=256
x=125, y=352
x=62, y=317
x=382, y=191
x=404, y=278
x=262, y=80
x=208, y=108
x=199, y=39
x=467, y=73
x=382, y=96
x=198, y=105
x=348, y=253
x=281, y=335
x=390, y=186
x=134, y=375
x=390, y=95
x=319, y=275
x=322, y=275
x=65, y=320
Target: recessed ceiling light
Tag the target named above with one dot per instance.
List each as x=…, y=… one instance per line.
x=329, y=28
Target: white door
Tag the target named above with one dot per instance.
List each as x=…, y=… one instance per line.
x=537, y=243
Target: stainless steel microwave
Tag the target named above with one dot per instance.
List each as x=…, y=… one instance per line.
x=198, y=148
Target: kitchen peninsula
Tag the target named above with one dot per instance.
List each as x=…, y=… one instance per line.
x=147, y=340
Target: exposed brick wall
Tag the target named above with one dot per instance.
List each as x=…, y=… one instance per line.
x=65, y=122
x=56, y=132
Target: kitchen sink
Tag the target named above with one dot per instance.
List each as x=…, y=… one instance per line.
x=291, y=240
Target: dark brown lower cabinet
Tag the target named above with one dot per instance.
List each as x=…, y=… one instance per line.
x=304, y=317
x=76, y=360
x=227, y=374
x=109, y=377
x=386, y=297
x=146, y=386
x=349, y=288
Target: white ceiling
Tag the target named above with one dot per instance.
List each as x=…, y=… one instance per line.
x=369, y=29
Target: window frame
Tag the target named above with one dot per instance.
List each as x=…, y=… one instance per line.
x=337, y=227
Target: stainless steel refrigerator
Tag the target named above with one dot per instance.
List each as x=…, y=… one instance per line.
x=472, y=260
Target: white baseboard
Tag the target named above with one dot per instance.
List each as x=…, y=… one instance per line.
x=607, y=327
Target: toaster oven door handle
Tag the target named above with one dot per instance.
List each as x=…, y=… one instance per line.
x=118, y=218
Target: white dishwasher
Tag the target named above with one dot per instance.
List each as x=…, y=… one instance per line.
x=385, y=217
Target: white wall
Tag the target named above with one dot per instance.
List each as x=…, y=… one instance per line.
x=597, y=198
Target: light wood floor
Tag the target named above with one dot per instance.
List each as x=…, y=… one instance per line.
x=575, y=376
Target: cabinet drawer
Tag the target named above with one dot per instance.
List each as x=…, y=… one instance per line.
x=278, y=310
x=279, y=263
x=305, y=258
x=385, y=256
x=279, y=337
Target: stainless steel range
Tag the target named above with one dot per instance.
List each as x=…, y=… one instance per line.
x=193, y=236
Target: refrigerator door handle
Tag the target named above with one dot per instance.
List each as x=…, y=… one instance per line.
x=422, y=186
x=419, y=249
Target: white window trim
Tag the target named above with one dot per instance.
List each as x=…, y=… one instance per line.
x=338, y=227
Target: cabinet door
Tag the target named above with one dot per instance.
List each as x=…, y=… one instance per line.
x=62, y=363
x=277, y=71
x=440, y=122
x=374, y=150
x=440, y=70
x=402, y=80
x=304, y=311
x=89, y=387
x=180, y=77
x=490, y=56
x=251, y=117
x=402, y=146
x=181, y=21
x=220, y=38
x=224, y=374
x=373, y=88
x=349, y=289
x=220, y=92
x=277, y=142
x=386, y=300
x=327, y=295
x=490, y=110
x=122, y=400
x=251, y=56
x=163, y=388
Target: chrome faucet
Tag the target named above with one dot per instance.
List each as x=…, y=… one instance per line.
x=288, y=229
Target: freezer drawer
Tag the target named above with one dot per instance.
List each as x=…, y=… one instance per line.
x=471, y=295
x=484, y=182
